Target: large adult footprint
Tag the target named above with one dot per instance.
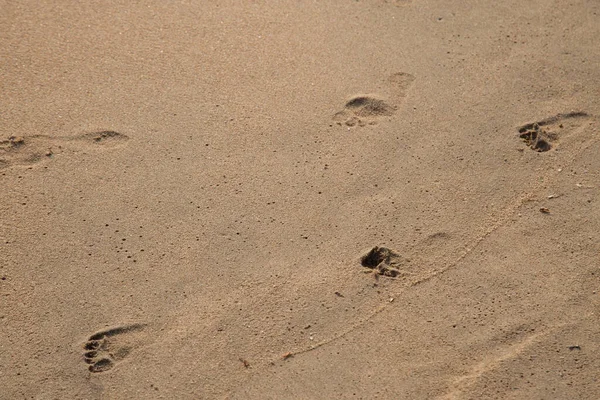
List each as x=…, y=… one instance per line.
x=31, y=150
x=105, y=349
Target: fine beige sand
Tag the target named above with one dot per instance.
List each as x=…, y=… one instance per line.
x=300, y=199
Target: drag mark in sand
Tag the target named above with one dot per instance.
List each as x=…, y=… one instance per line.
x=521, y=342
x=491, y=362
x=504, y=217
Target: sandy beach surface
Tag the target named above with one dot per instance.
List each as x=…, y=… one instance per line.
x=300, y=199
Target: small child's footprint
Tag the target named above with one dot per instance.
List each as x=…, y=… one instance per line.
x=364, y=110
x=104, y=349
x=30, y=150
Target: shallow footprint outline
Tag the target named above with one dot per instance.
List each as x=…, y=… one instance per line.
x=368, y=109
x=106, y=348
x=30, y=150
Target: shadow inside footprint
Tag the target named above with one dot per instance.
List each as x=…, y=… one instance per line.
x=366, y=106
x=105, y=348
x=382, y=261
x=537, y=138
x=542, y=136
x=362, y=110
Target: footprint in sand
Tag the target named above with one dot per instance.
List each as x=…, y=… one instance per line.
x=105, y=349
x=544, y=135
x=368, y=109
x=383, y=261
x=30, y=150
